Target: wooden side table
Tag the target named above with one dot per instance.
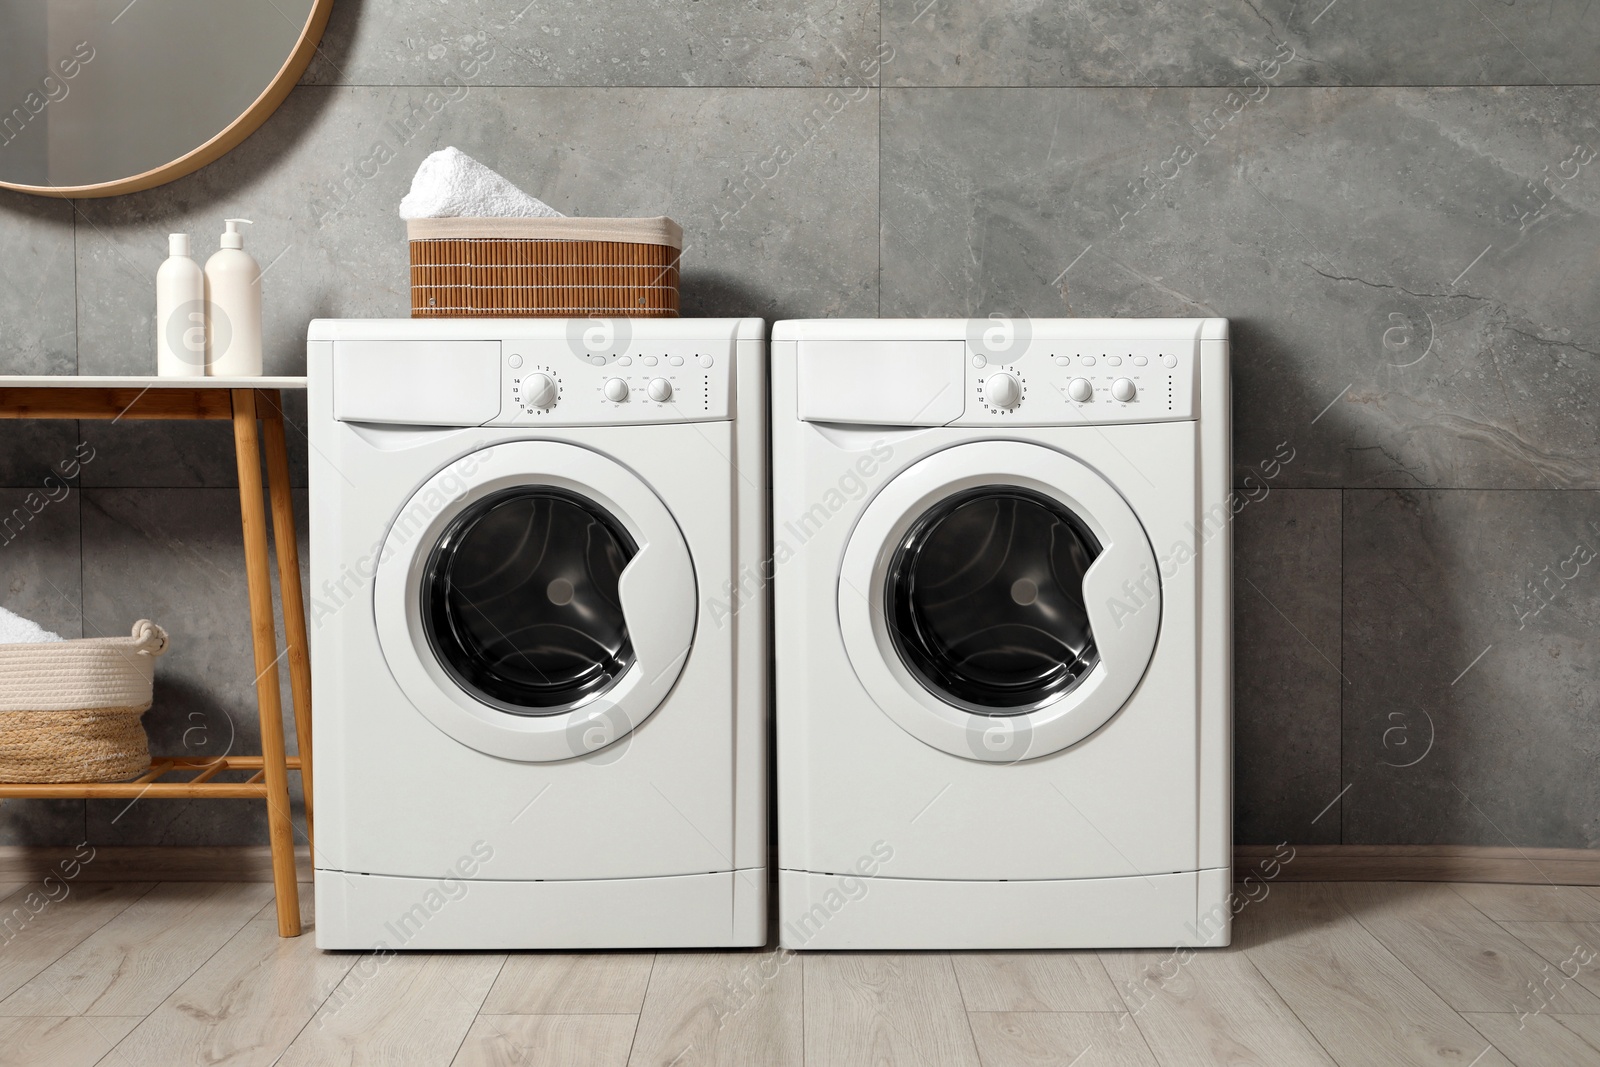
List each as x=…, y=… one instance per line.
x=244, y=401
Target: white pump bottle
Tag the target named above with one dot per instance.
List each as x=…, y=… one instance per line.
x=233, y=308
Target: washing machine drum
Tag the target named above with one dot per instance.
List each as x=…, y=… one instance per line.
x=985, y=599
x=535, y=601
x=520, y=600
x=983, y=602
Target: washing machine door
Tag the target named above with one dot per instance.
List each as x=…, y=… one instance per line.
x=999, y=600
x=535, y=601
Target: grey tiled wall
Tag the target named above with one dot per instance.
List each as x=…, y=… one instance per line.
x=1386, y=199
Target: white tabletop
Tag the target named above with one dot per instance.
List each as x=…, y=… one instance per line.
x=141, y=381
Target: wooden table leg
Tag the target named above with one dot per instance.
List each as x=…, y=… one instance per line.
x=269, y=405
x=264, y=637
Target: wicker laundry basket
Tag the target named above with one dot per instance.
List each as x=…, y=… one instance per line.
x=69, y=710
x=482, y=268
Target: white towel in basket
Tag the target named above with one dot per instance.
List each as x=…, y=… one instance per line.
x=451, y=184
x=15, y=630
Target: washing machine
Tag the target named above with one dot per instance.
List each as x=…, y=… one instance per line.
x=540, y=684
x=1002, y=629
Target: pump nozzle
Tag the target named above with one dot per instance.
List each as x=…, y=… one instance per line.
x=231, y=237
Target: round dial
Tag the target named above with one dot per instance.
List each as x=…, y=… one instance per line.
x=615, y=390
x=1080, y=390
x=1002, y=390
x=660, y=390
x=539, y=390
x=1124, y=390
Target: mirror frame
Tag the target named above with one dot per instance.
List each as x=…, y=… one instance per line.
x=228, y=139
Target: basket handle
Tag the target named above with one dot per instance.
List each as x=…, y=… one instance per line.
x=152, y=639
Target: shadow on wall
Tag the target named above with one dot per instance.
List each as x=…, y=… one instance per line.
x=1427, y=698
x=708, y=294
x=1345, y=731
x=1267, y=378
x=338, y=39
x=1287, y=688
x=186, y=719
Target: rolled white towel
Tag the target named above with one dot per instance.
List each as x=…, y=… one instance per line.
x=451, y=184
x=15, y=630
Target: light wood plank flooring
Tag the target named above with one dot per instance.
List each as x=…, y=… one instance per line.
x=1343, y=974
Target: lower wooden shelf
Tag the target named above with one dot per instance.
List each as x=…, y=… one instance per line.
x=149, y=784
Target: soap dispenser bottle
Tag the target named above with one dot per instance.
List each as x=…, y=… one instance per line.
x=233, y=308
x=180, y=313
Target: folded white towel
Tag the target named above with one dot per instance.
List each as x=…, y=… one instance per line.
x=451, y=184
x=15, y=630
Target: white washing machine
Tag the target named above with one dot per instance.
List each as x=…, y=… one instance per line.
x=1003, y=633
x=540, y=689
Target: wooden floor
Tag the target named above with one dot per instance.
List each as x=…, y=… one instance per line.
x=1334, y=973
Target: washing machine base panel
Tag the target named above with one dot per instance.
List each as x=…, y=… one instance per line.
x=367, y=911
x=832, y=911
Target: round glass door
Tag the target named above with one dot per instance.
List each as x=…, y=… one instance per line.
x=535, y=600
x=984, y=596
x=520, y=600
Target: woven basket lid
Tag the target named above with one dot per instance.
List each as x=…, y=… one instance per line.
x=656, y=231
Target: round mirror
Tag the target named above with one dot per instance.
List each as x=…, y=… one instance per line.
x=99, y=97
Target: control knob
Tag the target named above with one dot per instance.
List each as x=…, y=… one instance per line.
x=1002, y=390
x=539, y=390
x=660, y=390
x=615, y=389
x=1124, y=390
x=1080, y=390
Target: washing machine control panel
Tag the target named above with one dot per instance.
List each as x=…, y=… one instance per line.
x=594, y=380
x=1059, y=383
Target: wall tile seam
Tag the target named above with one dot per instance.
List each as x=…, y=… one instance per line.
x=1343, y=666
x=231, y=490
x=830, y=87
x=78, y=486
x=1420, y=489
x=624, y=88
x=1277, y=86
x=1438, y=489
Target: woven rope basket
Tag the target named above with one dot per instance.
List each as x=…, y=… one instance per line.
x=69, y=710
x=482, y=268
